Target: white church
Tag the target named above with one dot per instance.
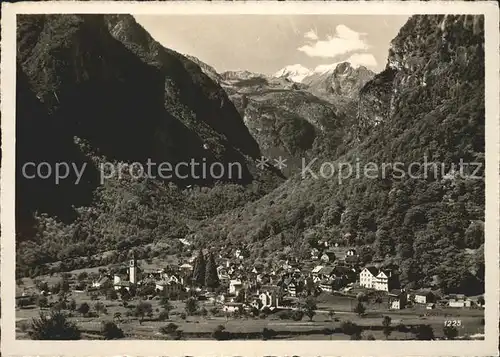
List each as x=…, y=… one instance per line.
x=125, y=281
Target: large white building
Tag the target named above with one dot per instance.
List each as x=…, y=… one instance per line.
x=372, y=278
x=367, y=277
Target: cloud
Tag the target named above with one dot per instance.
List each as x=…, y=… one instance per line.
x=344, y=40
x=311, y=35
x=362, y=59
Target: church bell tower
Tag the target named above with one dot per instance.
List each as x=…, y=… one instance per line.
x=132, y=271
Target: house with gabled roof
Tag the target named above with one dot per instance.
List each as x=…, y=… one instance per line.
x=316, y=269
x=102, y=281
x=397, y=299
x=422, y=296
x=326, y=272
x=328, y=256
x=367, y=277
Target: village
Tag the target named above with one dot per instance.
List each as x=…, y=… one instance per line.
x=208, y=294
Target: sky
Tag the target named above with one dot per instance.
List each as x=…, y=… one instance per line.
x=267, y=43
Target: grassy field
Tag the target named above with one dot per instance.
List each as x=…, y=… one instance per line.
x=305, y=329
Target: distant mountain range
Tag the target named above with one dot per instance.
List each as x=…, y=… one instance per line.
x=341, y=79
x=294, y=72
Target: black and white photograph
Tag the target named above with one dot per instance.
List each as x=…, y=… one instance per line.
x=250, y=177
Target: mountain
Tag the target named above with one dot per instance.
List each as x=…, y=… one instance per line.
x=338, y=79
x=294, y=72
x=96, y=89
x=284, y=117
x=428, y=104
x=205, y=68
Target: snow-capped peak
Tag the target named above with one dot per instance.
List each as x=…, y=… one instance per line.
x=339, y=67
x=294, y=72
x=323, y=68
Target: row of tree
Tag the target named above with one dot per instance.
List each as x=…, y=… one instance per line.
x=205, y=271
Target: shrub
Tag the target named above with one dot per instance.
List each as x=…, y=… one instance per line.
x=268, y=333
x=84, y=309
x=402, y=328
x=23, y=326
x=450, y=332
x=285, y=315
x=350, y=328
x=53, y=327
x=169, y=329
x=164, y=315
x=297, y=315
x=110, y=331
x=220, y=333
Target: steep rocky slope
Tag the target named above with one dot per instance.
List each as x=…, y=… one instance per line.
x=427, y=105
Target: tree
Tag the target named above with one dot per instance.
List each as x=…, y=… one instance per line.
x=167, y=307
x=112, y=294
x=84, y=309
x=65, y=285
x=53, y=327
x=351, y=329
x=199, y=269
x=359, y=308
x=220, y=333
x=268, y=334
x=386, y=323
x=241, y=296
x=99, y=307
x=124, y=294
x=331, y=313
x=72, y=305
x=310, y=307
x=171, y=327
x=110, y=331
x=424, y=332
x=142, y=309
x=211, y=276
x=480, y=300
x=42, y=302
x=450, y=332
x=172, y=330
x=191, y=306
x=83, y=276
x=297, y=315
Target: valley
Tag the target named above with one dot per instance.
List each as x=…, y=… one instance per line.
x=99, y=90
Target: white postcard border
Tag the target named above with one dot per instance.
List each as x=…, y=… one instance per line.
x=488, y=347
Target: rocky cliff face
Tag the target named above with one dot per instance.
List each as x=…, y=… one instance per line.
x=420, y=55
